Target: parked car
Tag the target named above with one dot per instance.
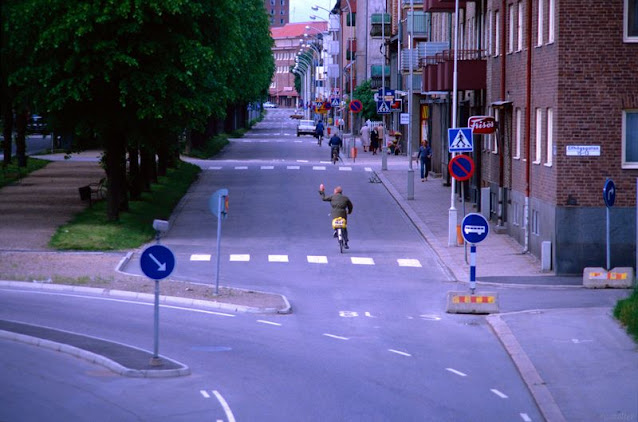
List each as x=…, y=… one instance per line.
x=306, y=127
x=268, y=104
x=36, y=124
x=297, y=114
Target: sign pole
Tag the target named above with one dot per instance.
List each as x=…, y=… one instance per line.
x=608, y=241
x=472, y=268
x=219, y=241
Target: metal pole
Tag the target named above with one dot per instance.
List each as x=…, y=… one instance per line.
x=384, y=156
x=452, y=217
x=608, y=241
x=473, y=268
x=155, y=359
x=410, y=95
x=219, y=241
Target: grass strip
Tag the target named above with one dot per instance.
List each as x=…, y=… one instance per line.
x=11, y=173
x=626, y=311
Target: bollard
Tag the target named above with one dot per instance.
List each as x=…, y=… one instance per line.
x=353, y=153
x=459, y=236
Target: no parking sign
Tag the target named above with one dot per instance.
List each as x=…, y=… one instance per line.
x=461, y=167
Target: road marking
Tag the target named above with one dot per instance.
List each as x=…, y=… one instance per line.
x=398, y=352
x=215, y=168
x=317, y=259
x=526, y=417
x=454, y=371
x=241, y=167
x=498, y=393
x=240, y=257
x=337, y=337
x=205, y=394
x=362, y=261
x=369, y=315
x=368, y=168
x=318, y=167
x=348, y=314
x=431, y=317
x=302, y=161
x=267, y=167
x=292, y=167
x=277, y=258
x=229, y=413
x=345, y=168
x=409, y=263
x=200, y=257
x=268, y=322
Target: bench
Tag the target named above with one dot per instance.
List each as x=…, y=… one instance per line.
x=93, y=190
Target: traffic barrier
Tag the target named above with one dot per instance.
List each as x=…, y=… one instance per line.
x=600, y=278
x=477, y=303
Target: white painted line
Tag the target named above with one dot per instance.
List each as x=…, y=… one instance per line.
x=317, y=259
x=368, y=168
x=526, y=417
x=345, y=168
x=215, y=168
x=240, y=257
x=409, y=263
x=431, y=317
x=362, y=261
x=454, y=371
x=498, y=393
x=241, y=167
x=267, y=167
x=292, y=167
x=302, y=161
x=200, y=257
x=268, y=322
x=318, y=167
x=337, y=337
x=399, y=352
x=204, y=393
x=277, y=258
x=298, y=142
x=229, y=413
x=325, y=162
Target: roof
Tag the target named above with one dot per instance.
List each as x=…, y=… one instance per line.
x=297, y=29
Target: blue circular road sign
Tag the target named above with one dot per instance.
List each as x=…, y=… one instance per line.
x=609, y=193
x=157, y=262
x=461, y=167
x=474, y=228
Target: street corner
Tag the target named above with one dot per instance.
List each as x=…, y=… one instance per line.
x=616, y=278
x=472, y=303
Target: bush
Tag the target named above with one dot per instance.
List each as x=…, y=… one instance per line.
x=626, y=311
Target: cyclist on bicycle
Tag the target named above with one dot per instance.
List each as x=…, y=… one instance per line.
x=341, y=207
x=335, y=143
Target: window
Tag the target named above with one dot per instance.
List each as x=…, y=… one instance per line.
x=535, y=223
x=510, y=32
x=488, y=29
x=519, y=41
x=497, y=37
x=630, y=139
x=630, y=19
x=539, y=137
x=550, y=137
x=519, y=133
x=496, y=115
x=539, y=40
x=550, y=21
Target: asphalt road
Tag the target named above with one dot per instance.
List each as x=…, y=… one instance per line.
x=368, y=339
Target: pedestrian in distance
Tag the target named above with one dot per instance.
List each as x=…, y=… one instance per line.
x=374, y=140
x=365, y=137
x=424, y=156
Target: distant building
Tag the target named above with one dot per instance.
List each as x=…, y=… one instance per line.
x=278, y=11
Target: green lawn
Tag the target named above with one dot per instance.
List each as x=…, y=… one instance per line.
x=626, y=311
x=12, y=173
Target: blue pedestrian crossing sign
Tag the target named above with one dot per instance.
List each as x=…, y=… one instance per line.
x=383, y=107
x=460, y=139
x=157, y=262
x=334, y=102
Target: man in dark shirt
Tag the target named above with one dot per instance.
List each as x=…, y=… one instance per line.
x=335, y=142
x=341, y=207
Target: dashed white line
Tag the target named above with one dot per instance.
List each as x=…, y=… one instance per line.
x=241, y=167
x=362, y=261
x=345, y=168
x=334, y=336
x=409, y=262
x=277, y=258
x=317, y=259
x=240, y=257
x=263, y=321
x=318, y=167
x=267, y=167
x=368, y=168
x=200, y=257
x=229, y=413
x=302, y=161
x=454, y=371
x=526, y=417
x=292, y=167
x=398, y=352
x=215, y=168
x=498, y=393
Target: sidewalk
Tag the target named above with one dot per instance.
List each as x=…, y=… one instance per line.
x=579, y=364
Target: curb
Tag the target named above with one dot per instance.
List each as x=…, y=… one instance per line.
x=148, y=297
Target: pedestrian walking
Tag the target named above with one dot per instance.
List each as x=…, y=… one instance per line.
x=374, y=140
x=365, y=137
x=424, y=156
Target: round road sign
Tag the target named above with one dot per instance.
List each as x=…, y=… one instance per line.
x=474, y=228
x=461, y=167
x=609, y=193
x=356, y=106
x=157, y=262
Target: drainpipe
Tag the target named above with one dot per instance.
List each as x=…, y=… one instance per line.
x=528, y=117
x=501, y=133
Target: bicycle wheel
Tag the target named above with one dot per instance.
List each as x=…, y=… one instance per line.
x=340, y=239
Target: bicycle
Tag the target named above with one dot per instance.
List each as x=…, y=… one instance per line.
x=335, y=155
x=339, y=225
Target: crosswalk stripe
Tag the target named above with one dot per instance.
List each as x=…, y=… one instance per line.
x=345, y=168
x=240, y=257
x=292, y=167
x=241, y=167
x=267, y=167
x=409, y=262
x=368, y=168
x=215, y=168
x=318, y=167
x=362, y=261
x=317, y=259
x=277, y=258
x=200, y=257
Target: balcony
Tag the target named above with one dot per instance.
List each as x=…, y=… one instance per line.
x=351, y=48
x=421, y=22
x=446, y=6
x=376, y=76
x=377, y=22
x=438, y=71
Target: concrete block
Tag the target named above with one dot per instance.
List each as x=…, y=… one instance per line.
x=616, y=278
x=467, y=303
x=546, y=256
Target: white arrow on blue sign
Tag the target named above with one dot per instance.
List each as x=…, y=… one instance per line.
x=157, y=262
x=460, y=139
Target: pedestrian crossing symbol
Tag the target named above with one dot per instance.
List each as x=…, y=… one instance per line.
x=460, y=139
x=383, y=107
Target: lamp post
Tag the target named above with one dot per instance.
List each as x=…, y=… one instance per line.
x=306, y=66
x=410, y=99
x=452, y=216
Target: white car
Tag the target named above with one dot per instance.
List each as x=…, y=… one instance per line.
x=268, y=104
x=306, y=127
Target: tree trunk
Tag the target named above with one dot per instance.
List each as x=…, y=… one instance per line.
x=8, y=133
x=21, y=134
x=162, y=154
x=115, y=149
x=135, y=178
